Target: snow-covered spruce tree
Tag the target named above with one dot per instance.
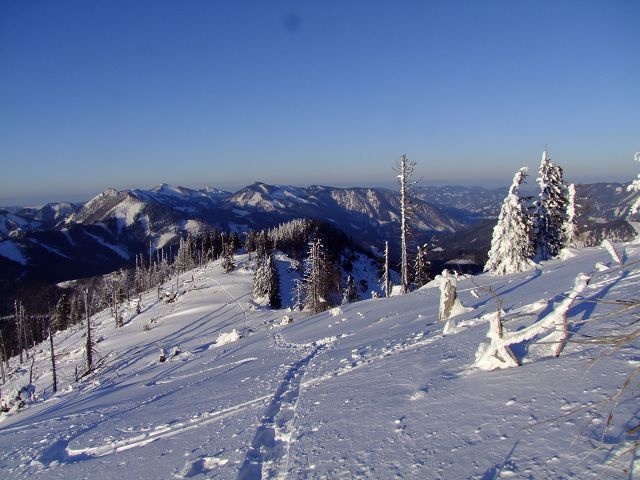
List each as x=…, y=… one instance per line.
x=260, y=278
x=61, y=314
x=511, y=248
x=184, y=258
x=549, y=210
x=635, y=187
x=228, y=263
x=421, y=267
x=350, y=293
x=275, y=300
x=317, y=278
x=298, y=295
x=570, y=227
x=405, y=169
x=266, y=280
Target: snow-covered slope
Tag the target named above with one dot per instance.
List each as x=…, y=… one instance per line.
x=11, y=222
x=368, y=390
x=355, y=208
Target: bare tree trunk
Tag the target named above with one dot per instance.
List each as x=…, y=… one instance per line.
x=386, y=279
x=23, y=324
x=18, y=328
x=53, y=363
x=404, y=225
x=3, y=359
x=89, y=345
x=564, y=335
x=405, y=169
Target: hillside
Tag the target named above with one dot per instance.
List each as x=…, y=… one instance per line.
x=372, y=389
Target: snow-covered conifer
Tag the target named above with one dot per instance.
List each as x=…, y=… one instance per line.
x=550, y=210
x=298, y=295
x=266, y=280
x=228, y=263
x=61, y=313
x=350, y=293
x=317, y=278
x=421, y=267
x=511, y=249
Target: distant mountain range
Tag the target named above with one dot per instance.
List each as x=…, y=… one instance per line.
x=61, y=241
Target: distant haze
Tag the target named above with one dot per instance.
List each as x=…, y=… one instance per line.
x=132, y=94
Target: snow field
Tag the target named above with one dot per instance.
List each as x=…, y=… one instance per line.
x=370, y=390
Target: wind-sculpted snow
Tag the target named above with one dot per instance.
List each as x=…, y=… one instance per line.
x=371, y=389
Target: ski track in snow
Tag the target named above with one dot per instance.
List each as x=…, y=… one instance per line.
x=268, y=456
x=59, y=451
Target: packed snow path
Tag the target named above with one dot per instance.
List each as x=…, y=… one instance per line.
x=369, y=390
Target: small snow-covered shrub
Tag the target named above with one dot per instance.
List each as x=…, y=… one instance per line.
x=228, y=337
x=17, y=398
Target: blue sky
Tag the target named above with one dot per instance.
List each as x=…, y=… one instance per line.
x=134, y=93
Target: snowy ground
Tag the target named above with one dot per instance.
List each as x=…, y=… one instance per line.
x=368, y=390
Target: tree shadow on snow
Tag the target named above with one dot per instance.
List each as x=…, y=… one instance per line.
x=494, y=472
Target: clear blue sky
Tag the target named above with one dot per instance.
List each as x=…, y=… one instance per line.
x=133, y=93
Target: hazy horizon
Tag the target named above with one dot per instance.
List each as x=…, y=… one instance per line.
x=132, y=94
x=34, y=201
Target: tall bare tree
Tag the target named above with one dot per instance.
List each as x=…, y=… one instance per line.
x=405, y=169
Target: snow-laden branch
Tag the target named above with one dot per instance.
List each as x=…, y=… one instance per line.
x=606, y=243
x=497, y=354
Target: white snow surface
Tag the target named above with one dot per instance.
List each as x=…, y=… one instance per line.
x=127, y=211
x=374, y=392
x=116, y=248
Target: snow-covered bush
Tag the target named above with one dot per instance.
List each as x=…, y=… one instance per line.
x=17, y=398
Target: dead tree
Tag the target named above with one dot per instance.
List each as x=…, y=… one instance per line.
x=3, y=359
x=53, y=362
x=386, y=278
x=448, y=295
x=405, y=168
x=89, y=343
